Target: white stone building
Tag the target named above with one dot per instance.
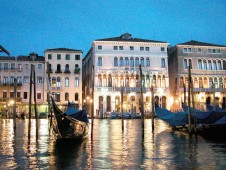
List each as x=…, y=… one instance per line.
x=66, y=75
x=113, y=63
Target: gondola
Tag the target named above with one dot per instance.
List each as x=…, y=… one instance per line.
x=209, y=123
x=71, y=124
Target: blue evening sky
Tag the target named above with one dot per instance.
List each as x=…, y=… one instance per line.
x=35, y=25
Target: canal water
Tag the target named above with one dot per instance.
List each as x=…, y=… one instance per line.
x=110, y=148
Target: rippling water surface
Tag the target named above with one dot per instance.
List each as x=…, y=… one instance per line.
x=110, y=148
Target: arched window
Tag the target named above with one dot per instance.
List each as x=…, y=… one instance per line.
x=109, y=80
x=116, y=81
x=121, y=63
x=108, y=103
x=116, y=62
x=76, y=96
x=121, y=80
x=54, y=81
x=220, y=82
x=163, y=63
x=210, y=82
x=77, y=69
x=200, y=64
x=58, y=82
x=163, y=102
x=66, y=82
x=214, y=65
x=99, y=82
x=76, y=82
x=66, y=96
x=204, y=65
x=58, y=68
x=205, y=85
x=196, y=85
x=132, y=81
x=127, y=81
x=154, y=81
x=159, y=81
x=131, y=62
x=142, y=61
x=147, y=62
x=163, y=81
x=200, y=82
x=136, y=62
x=216, y=82
x=185, y=64
x=219, y=65
x=117, y=103
x=67, y=67
x=209, y=65
x=127, y=62
x=104, y=80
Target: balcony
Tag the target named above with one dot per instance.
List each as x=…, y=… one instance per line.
x=56, y=88
x=131, y=89
x=50, y=71
x=67, y=71
x=77, y=70
x=58, y=71
x=207, y=90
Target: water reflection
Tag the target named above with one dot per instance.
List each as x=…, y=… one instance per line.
x=110, y=148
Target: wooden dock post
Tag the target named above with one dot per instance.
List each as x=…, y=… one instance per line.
x=214, y=98
x=122, y=108
x=189, y=101
x=193, y=100
x=35, y=107
x=141, y=97
x=48, y=96
x=92, y=110
x=14, y=104
x=153, y=108
x=30, y=95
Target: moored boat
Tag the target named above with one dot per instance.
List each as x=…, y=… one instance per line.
x=210, y=123
x=71, y=124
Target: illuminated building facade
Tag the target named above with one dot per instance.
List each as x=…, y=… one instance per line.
x=20, y=68
x=65, y=67
x=208, y=67
x=113, y=63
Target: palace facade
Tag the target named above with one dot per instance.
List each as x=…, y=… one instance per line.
x=113, y=63
x=208, y=68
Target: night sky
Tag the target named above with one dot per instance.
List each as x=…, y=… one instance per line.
x=35, y=25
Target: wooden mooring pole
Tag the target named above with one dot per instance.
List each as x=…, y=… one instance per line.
x=14, y=104
x=35, y=107
x=189, y=101
x=92, y=105
x=30, y=95
x=122, y=108
x=141, y=97
x=153, y=108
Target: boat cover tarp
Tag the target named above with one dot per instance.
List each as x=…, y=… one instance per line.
x=221, y=121
x=210, y=108
x=174, y=119
x=80, y=115
x=181, y=118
